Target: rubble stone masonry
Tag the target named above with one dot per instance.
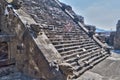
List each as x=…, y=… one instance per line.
x=117, y=37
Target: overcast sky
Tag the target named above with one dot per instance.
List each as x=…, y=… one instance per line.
x=103, y=14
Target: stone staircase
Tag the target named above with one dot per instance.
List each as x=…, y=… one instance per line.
x=75, y=46
x=81, y=51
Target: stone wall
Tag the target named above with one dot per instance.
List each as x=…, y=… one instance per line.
x=91, y=27
x=25, y=48
x=117, y=36
x=111, y=38
x=77, y=17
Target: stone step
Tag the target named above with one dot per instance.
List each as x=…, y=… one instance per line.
x=73, y=44
x=79, y=44
x=77, y=50
x=81, y=54
x=70, y=60
x=95, y=58
x=49, y=33
x=73, y=55
x=73, y=39
x=64, y=41
x=86, y=62
x=77, y=74
x=99, y=60
x=74, y=63
x=79, y=36
x=75, y=47
x=79, y=66
x=70, y=51
x=80, y=72
x=68, y=44
x=62, y=38
x=68, y=48
x=63, y=32
x=89, y=55
x=89, y=47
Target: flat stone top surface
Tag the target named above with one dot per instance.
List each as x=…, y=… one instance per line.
x=109, y=69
